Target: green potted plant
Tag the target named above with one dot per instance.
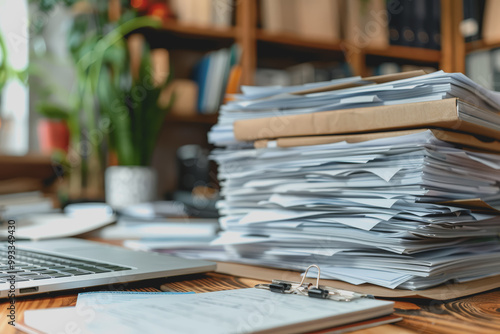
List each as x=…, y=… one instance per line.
x=116, y=107
x=120, y=111
x=4, y=72
x=126, y=79
x=4, y=68
x=53, y=131
x=129, y=99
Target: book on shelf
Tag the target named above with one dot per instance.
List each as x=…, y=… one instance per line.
x=222, y=12
x=312, y=19
x=414, y=23
x=318, y=19
x=271, y=17
x=408, y=24
x=491, y=24
x=186, y=96
x=495, y=64
x=289, y=13
x=393, y=67
x=421, y=29
x=373, y=24
x=271, y=77
x=20, y=185
x=302, y=73
x=479, y=65
x=204, y=13
x=366, y=25
x=13, y=206
x=233, y=81
x=394, y=22
x=472, y=25
x=435, y=25
x=211, y=75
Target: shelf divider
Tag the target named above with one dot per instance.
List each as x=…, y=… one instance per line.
x=289, y=39
x=199, y=31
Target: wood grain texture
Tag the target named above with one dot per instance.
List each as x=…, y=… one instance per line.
x=458, y=39
x=209, y=283
x=447, y=62
x=246, y=20
x=200, y=31
x=31, y=166
x=475, y=314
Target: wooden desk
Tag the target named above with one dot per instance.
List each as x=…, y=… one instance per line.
x=476, y=314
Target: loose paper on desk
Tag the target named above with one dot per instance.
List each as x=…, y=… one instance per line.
x=88, y=304
x=56, y=225
x=235, y=311
x=95, y=298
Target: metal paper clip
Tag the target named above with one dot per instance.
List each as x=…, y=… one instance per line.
x=314, y=291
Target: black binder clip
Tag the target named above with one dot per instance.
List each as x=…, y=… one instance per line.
x=313, y=291
x=280, y=287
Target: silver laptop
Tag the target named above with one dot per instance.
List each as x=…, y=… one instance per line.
x=54, y=265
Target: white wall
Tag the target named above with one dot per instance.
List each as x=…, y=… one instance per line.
x=14, y=130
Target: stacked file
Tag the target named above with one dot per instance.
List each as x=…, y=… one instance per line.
x=410, y=208
x=265, y=102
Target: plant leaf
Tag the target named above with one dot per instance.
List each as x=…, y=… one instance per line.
x=52, y=111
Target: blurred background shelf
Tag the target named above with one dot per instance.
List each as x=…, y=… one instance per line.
x=407, y=53
x=36, y=166
x=194, y=119
x=480, y=45
x=392, y=51
x=302, y=48
x=199, y=31
x=269, y=52
x=290, y=39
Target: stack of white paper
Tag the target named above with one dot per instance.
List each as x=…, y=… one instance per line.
x=365, y=212
x=261, y=102
x=379, y=211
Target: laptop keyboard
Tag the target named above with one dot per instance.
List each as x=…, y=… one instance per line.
x=31, y=266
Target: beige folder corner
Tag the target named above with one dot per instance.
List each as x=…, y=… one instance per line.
x=444, y=114
x=461, y=139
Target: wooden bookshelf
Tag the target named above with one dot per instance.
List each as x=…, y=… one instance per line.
x=255, y=42
x=199, y=31
x=289, y=39
x=250, y=37
x=195, y=119
x=407, y=53
x=392, y=51
x=447, y=58
x=32, y=166
x=480, y=45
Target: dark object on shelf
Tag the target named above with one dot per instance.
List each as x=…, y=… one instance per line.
x=193, y=167
x=472, y=24
x=415, y=23
x=197, y=205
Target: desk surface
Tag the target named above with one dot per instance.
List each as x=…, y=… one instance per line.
x=476, y=314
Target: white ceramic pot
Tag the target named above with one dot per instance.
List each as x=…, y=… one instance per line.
x=127, y=185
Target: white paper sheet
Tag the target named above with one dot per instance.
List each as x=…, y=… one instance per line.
x=233, y=311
